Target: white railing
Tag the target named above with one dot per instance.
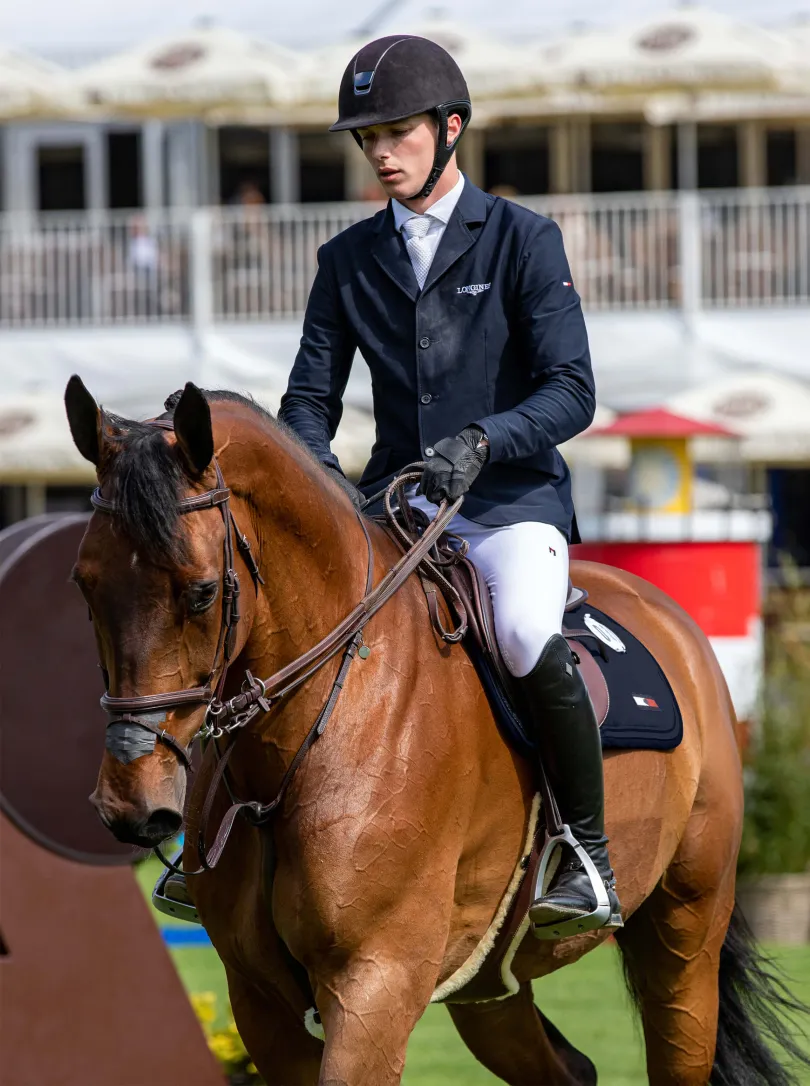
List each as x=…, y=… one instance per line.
x=93, y=269
x=630, y=251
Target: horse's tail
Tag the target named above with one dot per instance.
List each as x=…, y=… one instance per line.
x=756, y=1012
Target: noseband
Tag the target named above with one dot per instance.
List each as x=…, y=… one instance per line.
x=133, y=729
x=130, y=717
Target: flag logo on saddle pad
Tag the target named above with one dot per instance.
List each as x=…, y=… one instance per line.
x=606, y=636
x=646, y=703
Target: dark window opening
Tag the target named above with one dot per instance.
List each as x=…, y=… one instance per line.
x=516, y=161
x=244, y=165
x=124, y=182
x=617, y=158
x=322, y=167
x=718, y=165
x=68, y=499
x=781, y=156
x=790, y=503
x=61, y=178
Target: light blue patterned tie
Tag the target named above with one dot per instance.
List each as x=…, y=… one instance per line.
x=417, y=245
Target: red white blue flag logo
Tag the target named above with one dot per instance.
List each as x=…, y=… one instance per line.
x=646, y=703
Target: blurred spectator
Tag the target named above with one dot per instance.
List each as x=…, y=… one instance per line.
x=143, y=258
x=249, y=195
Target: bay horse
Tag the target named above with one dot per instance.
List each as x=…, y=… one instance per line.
x=401, y=829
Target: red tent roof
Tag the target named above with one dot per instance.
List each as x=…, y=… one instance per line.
x=659, y=422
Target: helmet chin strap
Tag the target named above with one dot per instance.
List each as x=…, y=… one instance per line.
x=443, y=152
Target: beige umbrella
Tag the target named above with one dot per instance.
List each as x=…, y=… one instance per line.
x=771, y=413
x=688, y=48
x=35, y=441
x=31, y=87
x=192, y=75
x=491, y=67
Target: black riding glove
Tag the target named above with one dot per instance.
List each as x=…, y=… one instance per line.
x=455, y=465
x=357, y=498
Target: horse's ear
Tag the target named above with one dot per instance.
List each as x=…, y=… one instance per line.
x=192, y=428
x=84, y=419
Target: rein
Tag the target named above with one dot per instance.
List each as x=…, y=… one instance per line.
x=129, y=717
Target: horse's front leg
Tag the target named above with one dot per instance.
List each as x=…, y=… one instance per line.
x=369, y=1005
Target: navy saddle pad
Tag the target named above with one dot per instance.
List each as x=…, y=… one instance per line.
x=643, y=713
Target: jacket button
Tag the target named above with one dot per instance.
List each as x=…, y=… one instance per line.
x=424, y=342
x=430, y=451
x=426, y=397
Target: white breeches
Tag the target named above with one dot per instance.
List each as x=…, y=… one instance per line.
x=526, y=568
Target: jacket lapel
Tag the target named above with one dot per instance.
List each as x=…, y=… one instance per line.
x=461, y=233
x=388, y=249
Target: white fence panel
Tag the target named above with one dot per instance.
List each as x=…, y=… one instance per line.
x=93, y=269
x=627, y=252
x=756, y=247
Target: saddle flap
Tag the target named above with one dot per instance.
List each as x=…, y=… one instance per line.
x=593, y=678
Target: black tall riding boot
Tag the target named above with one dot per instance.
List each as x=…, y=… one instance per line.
x=567, y=737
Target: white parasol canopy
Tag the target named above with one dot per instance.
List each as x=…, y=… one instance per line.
x=31, y=87
x=192, y=74
x=770, y=412
x=35, y=441
x=685, y=48
x=490, y=67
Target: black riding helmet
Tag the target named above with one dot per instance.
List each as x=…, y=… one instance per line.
x=397, y=77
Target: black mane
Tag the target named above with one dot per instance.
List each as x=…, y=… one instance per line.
x=147, y=478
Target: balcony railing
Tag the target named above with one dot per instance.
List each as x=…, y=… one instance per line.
x=627, y=252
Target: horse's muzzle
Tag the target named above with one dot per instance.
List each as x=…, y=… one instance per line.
x=159, y=825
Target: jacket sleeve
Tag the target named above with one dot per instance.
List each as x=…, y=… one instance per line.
x=551, y=328
x=312, y=405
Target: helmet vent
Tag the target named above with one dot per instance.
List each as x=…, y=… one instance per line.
x=362, y=82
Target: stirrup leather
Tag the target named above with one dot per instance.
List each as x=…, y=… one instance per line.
x=600, y=917
x=180, y=908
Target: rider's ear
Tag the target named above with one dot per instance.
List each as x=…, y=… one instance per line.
x=84, y=419
x=192, y=428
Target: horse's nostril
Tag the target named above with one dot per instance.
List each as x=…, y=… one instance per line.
x=162, y=823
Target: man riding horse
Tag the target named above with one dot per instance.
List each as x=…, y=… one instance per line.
x=463, y=306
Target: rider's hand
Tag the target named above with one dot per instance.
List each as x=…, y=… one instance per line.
x=455, y=465
x=344, y=484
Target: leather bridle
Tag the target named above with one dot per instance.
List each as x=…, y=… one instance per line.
x=225, y=718
x=134, y=711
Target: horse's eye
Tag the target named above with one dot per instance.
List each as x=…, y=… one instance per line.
x=201, y=596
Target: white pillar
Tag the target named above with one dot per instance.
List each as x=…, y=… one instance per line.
x=559, y=150
x=152, y=165
x=471, y=155
x=95, y=169
x=687, y=156
x=657, y=144
x=182, y=166
x=285, y=171
x=35, y=499
x=581, y=154
x=202, y=285
x=751, y=154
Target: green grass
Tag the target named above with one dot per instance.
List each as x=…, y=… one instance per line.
x=587, y=1001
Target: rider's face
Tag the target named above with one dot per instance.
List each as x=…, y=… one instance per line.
x=401, y=153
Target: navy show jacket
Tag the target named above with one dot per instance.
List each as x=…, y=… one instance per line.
x=495, y=337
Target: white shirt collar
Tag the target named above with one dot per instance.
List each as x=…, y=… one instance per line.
x=441, y=210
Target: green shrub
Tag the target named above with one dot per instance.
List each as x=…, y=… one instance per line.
x=776, y=834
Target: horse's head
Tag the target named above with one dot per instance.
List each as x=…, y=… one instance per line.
x=154, y=580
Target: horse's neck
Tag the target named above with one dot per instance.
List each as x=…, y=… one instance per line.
x=312, y=555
